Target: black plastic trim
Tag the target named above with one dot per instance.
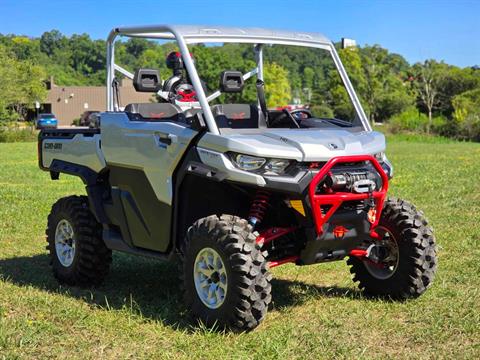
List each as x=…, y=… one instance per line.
x=40, y=152
x=92, y=181
x=67, y=133
x=329, y=248
x=88, y=176
x=200, y=169
x=147, y=218
x=114, y=241
x=290, y=184
x=190, y=156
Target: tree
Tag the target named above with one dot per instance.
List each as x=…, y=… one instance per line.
x=429, y=76
x=377, y=78
x=24, y=48
x=339, y=100
x=7, y=78
x=381, y=82
x=455, y=82
x=22, y=85
x=277, y=86
x=137, y=46
x=30, y=87
x=52, y=41
x=467, y=114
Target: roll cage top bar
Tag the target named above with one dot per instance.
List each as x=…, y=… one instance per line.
x=206, y=34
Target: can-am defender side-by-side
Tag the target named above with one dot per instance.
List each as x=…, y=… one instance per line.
x=232, y=189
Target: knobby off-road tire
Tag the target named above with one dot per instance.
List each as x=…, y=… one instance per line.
x=91, y=259
x=417, y=261
x=248, y=287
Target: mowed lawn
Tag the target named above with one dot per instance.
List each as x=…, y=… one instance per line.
x=317, y=311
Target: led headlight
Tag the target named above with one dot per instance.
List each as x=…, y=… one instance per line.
x=248, y=162
x=276, y=166
x=260, y=165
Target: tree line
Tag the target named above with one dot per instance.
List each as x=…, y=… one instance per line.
x=430, y=96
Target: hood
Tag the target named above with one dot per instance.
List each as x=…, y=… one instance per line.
x=297, y=144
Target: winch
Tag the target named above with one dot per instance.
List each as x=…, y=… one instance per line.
x=356, y=181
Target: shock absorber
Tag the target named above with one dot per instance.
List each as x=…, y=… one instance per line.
x=259, y=207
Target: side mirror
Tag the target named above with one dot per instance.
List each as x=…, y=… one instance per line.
x=147, y=80
x=231, y=81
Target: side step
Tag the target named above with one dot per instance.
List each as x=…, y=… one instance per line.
x=114, y=241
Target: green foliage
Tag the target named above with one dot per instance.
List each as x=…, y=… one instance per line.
x=379, y=76
x=409, y=120
x=22, y=85
x=14, y=133
x=455, y=81
x=277, y=86
x=440, y=124
x=322, y=111
x=467, y=114
x=412, y=121
x=429, y=77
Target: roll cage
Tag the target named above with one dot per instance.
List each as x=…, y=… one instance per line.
x=185, y=35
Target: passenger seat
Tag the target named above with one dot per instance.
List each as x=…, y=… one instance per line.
x=237, y=116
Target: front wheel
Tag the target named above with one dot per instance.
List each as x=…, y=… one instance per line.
x=407, y=251
x=226, y=278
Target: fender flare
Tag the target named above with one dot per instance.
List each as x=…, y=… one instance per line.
x=93, y=181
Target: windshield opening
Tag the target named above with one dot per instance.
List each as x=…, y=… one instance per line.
x=298, y=80
x=294, y=87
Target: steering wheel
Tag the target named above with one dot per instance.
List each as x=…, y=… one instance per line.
x=291, y=118
x=304, y=114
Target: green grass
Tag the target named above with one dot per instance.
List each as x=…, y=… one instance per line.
x=317, y=310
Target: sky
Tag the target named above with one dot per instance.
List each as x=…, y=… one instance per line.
x=439, y=29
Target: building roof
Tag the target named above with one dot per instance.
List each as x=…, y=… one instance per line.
x=198, y=33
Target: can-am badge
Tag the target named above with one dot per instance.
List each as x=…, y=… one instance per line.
x=332, y=146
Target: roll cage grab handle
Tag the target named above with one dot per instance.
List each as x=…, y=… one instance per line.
x=212, y=35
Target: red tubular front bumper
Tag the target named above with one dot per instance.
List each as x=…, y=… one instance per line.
x=335, y=199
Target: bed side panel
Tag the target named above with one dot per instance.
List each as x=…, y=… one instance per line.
x=79, y=149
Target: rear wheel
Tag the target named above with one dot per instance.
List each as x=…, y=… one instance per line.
x=226, y=279
x=77, y=252
x=407, y=254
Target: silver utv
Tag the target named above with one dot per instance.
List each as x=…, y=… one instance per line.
x=230, y=189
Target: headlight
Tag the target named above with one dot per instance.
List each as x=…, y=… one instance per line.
x=260, y=165
x=249, y=163
x=276, y=166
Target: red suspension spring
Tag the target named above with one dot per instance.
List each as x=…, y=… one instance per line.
x=259, y=207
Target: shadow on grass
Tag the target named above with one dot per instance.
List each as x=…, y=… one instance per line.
x=148, y=287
